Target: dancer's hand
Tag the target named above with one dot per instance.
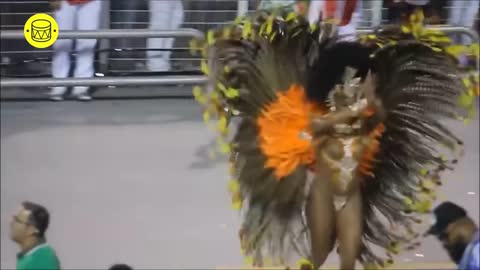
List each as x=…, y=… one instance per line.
x=369, y=90
x=323, y=125
x=320, y=126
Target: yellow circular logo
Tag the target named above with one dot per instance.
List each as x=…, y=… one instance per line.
x=41, y=30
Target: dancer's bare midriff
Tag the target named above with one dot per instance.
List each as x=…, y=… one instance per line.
x=340, y=158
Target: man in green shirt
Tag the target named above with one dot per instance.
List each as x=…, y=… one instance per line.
x=28, y=228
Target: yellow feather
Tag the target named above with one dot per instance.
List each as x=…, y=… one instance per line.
x=406, y=29
x=206, y=116
x=248, y=261
x=408, y=201
x=204, y=67
x=197, y=91
x=210, y=37
x=291, y=16
x=222, y=124
x=193, y=44
x=247, y=29
x=233, y=186
x=269, y=23
x=370, y=266
x=304, y=262
x=231, y=93
x=221, y=87
x=225, y=148
x=227, y=32
x=238, y=20
x=465, y=100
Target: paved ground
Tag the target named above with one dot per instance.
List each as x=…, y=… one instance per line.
x=130, y=181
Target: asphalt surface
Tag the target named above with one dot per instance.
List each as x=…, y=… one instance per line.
x=131, y=181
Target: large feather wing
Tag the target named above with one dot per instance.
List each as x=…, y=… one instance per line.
x=254, y=66
x=419, y=88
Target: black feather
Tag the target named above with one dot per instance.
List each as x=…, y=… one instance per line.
x=332, y=60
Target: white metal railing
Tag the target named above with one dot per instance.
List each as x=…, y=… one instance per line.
x=143, y=80
x=113, y=33
x=106, y=81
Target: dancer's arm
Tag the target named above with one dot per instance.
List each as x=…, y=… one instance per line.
x=324, y=125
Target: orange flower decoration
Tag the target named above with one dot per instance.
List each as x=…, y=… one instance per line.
x=282, y=128
x=368, y=158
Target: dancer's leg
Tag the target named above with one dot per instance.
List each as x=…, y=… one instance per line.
x=320, y=214
x=349, y=231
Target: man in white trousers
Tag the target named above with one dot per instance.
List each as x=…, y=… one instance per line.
x=346, y=12
x=74, y=15
x=164, y=15
x=463, y=13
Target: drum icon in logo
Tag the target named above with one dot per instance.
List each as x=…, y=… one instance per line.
x=41, y=30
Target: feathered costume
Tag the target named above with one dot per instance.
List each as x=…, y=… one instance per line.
x=276, y=72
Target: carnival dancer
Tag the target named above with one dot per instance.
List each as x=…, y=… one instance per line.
x=338, y=142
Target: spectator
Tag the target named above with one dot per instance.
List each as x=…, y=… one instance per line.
x=399, y=11
x=459, y=235
x=271, y=4
x=74, y=15
x=374, y=12
x=346, y=12
x=299, y=6
x=164, y=15
x=120, y=267
x=28, y=228
x=463, y=13
x=436, y=12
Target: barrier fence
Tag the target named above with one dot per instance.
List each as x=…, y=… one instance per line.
x=122, y=57
x=144, y=80
x=105, y=81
